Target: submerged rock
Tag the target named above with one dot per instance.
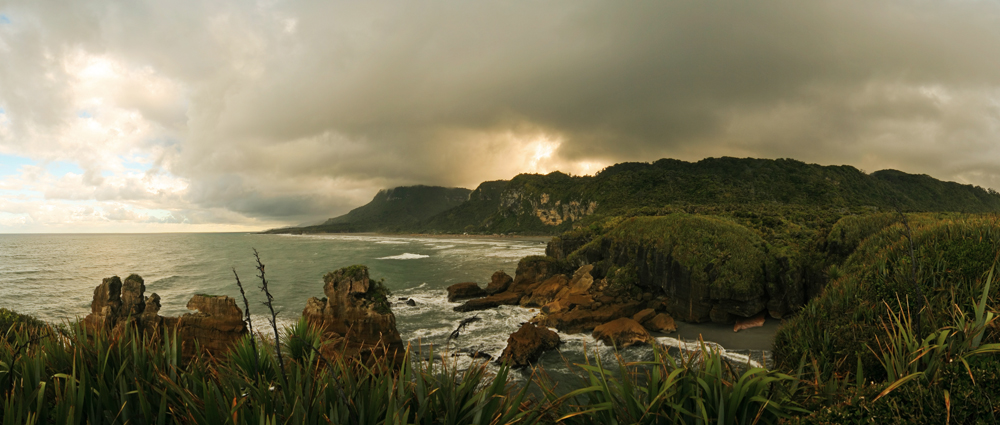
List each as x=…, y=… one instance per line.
x=527, y=344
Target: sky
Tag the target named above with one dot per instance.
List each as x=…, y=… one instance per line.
x=242, y=115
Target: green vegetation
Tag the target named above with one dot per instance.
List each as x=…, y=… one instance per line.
x=124, y=377
x=565, y=202
x=10, y=319
x=868, y=349
x=952, y=253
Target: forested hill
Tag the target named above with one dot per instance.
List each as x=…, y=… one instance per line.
x=549, y=204
x=391, y=210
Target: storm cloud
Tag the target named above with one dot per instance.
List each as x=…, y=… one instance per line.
x=269, y=113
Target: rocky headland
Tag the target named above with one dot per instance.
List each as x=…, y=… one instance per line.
x=354, y=319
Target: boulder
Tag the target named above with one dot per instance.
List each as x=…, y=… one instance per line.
x=753, y=322
x=661, y=322
x=644, y=315
x=622, y=332
x=503, y=298
x=216, y=326
x=583, y=320
x=527, y=344
x=464, y=290
x=355, y=315
x=499, y=282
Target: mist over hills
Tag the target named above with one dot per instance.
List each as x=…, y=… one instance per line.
x=553, y=203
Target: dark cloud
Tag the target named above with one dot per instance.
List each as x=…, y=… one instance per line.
x=296, y=111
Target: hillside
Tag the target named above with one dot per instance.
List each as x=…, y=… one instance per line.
x=549, y=204
x=391, y=210
x=553, y=203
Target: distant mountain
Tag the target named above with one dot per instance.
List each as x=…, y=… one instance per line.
x=391, y=210
x=552, y=203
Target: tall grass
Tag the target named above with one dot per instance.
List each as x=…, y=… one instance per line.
x=82, y=376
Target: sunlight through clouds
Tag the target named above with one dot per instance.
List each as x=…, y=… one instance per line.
x=265, y=114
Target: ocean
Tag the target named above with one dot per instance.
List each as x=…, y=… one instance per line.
x=53, y=276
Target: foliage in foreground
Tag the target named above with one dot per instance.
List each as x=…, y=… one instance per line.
x=84, y=377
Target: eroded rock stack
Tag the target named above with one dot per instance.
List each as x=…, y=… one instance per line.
x=215, y=327
x=355, y=317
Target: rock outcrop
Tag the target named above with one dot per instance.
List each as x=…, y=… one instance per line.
x=662, y=322
x=355, y=316
x=527, y=344
x=531, y=271
x=215, y=327
x=499, y=282
x=116, y=303
x=465, y=290
x=622, y=332
x=708, y=268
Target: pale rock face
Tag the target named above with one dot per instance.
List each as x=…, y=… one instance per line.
x=559, y=212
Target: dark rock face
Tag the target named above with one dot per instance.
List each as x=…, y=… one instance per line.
x=217, y=324
x=527, y=344
x=622, y=332
x=464, y=290
x=355, y=315
x=499, y=282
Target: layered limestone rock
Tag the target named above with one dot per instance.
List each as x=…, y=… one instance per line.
x=531, y=271
x=215, y=327
x=355, y=316
x=709, y=269
x=527, y=344
x=115, y=303
x=622, y=332
x=464, y=290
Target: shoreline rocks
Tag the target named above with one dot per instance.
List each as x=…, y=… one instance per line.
x=527, y=344
x=465, y=290
x=622, y=332
x=355, y=316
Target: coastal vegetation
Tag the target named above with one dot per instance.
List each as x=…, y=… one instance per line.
x=887, y=285
x=883, y=341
